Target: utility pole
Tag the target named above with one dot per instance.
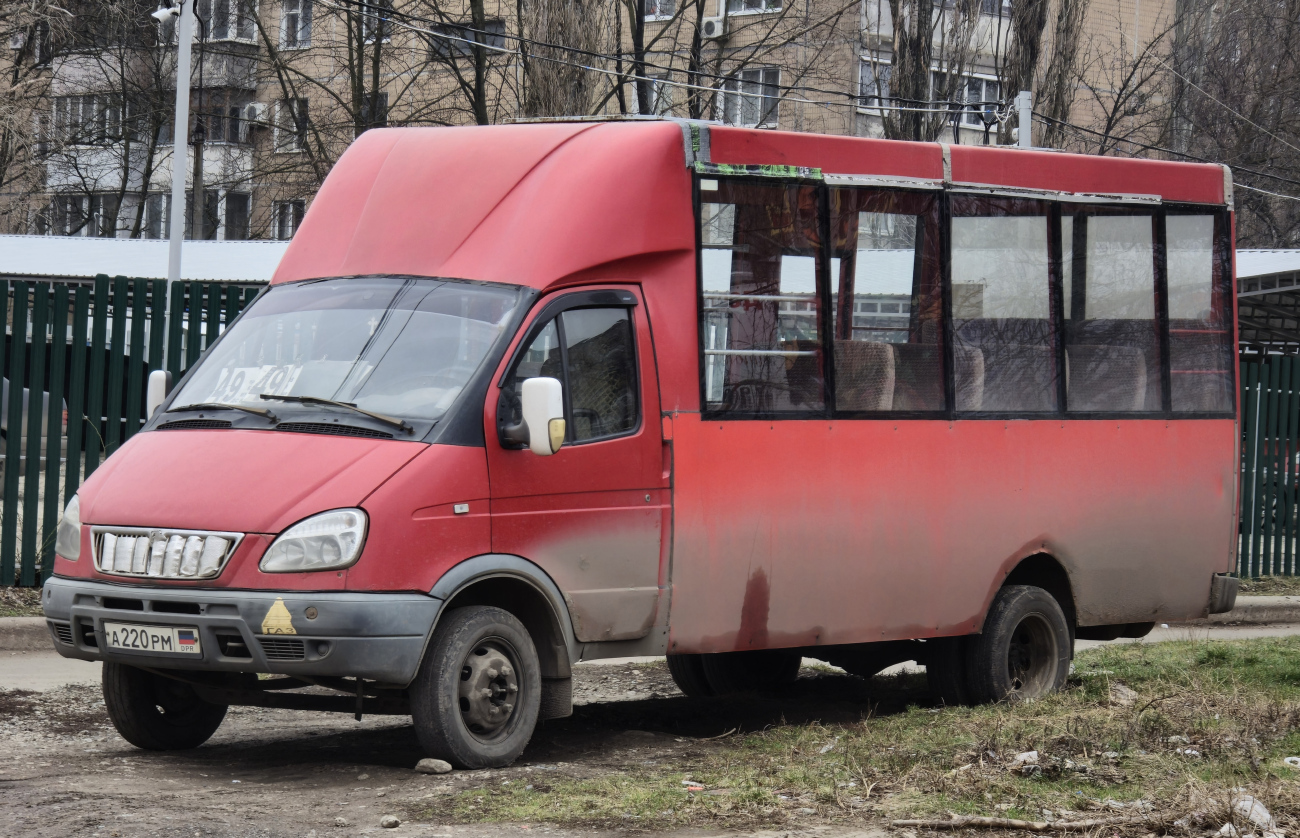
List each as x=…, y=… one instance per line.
x=1025, y=105
x=184, y=34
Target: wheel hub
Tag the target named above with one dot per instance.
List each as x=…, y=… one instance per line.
x=489, y=686
x=1031, y=658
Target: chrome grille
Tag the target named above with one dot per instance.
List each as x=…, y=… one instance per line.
x=282, y=649
x=162, y=554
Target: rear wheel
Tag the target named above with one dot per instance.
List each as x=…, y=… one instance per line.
x=157, y=713
x=1025, y=649
x=688, y=675
x=476, y=697
x=737, y=672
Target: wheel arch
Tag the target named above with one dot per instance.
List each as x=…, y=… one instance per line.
x=1043, y=570
x=526, y=591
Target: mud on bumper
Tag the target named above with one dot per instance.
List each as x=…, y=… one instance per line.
x=377, y=637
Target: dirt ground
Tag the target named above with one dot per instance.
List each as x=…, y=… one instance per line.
x=269, y=773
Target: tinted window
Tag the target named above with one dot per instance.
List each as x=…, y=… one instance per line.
x=762, y=318
x=886, y=292
x=592, y=353
x=1001, y=306
x=1112, y=344
x=1200, y=314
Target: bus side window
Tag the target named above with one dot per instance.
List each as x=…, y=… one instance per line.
x=1200, y=314
x=761, y=322
x=1001, y=306
x=1112, y=341
x=886, y=289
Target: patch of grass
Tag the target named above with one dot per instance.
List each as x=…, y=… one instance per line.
x=1203, y=718
x=20, y=602
x=1271, y=586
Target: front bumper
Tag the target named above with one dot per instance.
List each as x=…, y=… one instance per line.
x=378, y=637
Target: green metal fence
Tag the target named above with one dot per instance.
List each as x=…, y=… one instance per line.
x=1270, y=424
x=90, y=347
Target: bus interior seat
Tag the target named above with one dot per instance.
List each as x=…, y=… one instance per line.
x=1018, y=378
x=918, y=376
x=968, y=363
x=803, y=373
x=1199, y=364
x=864, y=375
x=1105, y=378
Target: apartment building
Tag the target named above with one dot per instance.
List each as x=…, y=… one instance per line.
x=281, y=87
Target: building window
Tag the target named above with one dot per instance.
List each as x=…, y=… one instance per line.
x=660, y=98
x=223, y=116
x=751, y=97
x=762, y=319
x=287, y=218
x=291, y=123
x=451, y=41
x=376, y=24
x=211, y=214
x=742, y=6
x=873, y=84
x=227, y=19
x=659, y=9
x=1001, y=305
x=87, y=120
x=295, y=24
x=156, y=222
x=238, y=210
x=374, y=110
x=978, y=93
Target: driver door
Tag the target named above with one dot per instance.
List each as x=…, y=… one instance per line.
x=592, y=515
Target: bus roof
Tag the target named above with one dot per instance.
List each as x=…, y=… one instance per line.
x=552, y=203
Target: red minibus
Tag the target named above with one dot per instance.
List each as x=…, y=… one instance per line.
x=527, y=395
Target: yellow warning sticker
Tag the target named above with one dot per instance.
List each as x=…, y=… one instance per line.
x=278, y=620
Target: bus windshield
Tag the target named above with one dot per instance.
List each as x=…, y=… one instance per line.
x=399, y=346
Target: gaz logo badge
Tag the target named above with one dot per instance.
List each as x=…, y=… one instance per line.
x=278, y=620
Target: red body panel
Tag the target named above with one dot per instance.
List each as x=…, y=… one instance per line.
x=803, y=533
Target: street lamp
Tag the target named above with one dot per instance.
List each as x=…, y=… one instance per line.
x=184, y=33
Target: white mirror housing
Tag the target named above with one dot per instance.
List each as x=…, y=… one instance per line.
x=543, y=409
x=160, y=384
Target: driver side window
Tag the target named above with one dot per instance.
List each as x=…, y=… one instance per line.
x=593, y=354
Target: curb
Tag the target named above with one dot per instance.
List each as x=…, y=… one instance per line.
x=25, y=634
x=29, y=634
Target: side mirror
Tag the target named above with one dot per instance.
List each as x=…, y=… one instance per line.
x=160, y=384
x=543, y=409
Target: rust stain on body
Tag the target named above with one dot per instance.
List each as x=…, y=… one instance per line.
x=754, y=611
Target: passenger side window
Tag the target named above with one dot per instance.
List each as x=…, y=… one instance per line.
x=762, y=320
x=1001, y=306
x=1112, y=339
x=1200, y=314
x=886, y=289
x=592, y=352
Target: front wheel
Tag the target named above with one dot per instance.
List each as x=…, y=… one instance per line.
x=1025, y=649
x=157, y=713
x=476, y=698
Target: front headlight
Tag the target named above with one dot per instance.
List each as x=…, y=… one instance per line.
x=67, y=541
x=328, y=541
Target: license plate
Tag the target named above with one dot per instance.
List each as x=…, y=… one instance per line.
x=165, y=639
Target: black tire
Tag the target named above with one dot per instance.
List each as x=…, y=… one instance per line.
x=945, y=670
x=476, y=698
x=739, y=672
x=1025, y=649
x=688, y=675
x=157, y=713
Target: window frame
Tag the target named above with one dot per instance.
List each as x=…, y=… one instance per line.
x=1054, y=202
x=548, y=313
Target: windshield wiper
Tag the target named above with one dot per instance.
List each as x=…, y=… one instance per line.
x=400, y=424
x=256, y=411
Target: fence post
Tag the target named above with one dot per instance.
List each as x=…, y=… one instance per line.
x=135, y=375
x=54, y=429
x=1249, y=472
x=13, y=438
x=32, y=431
